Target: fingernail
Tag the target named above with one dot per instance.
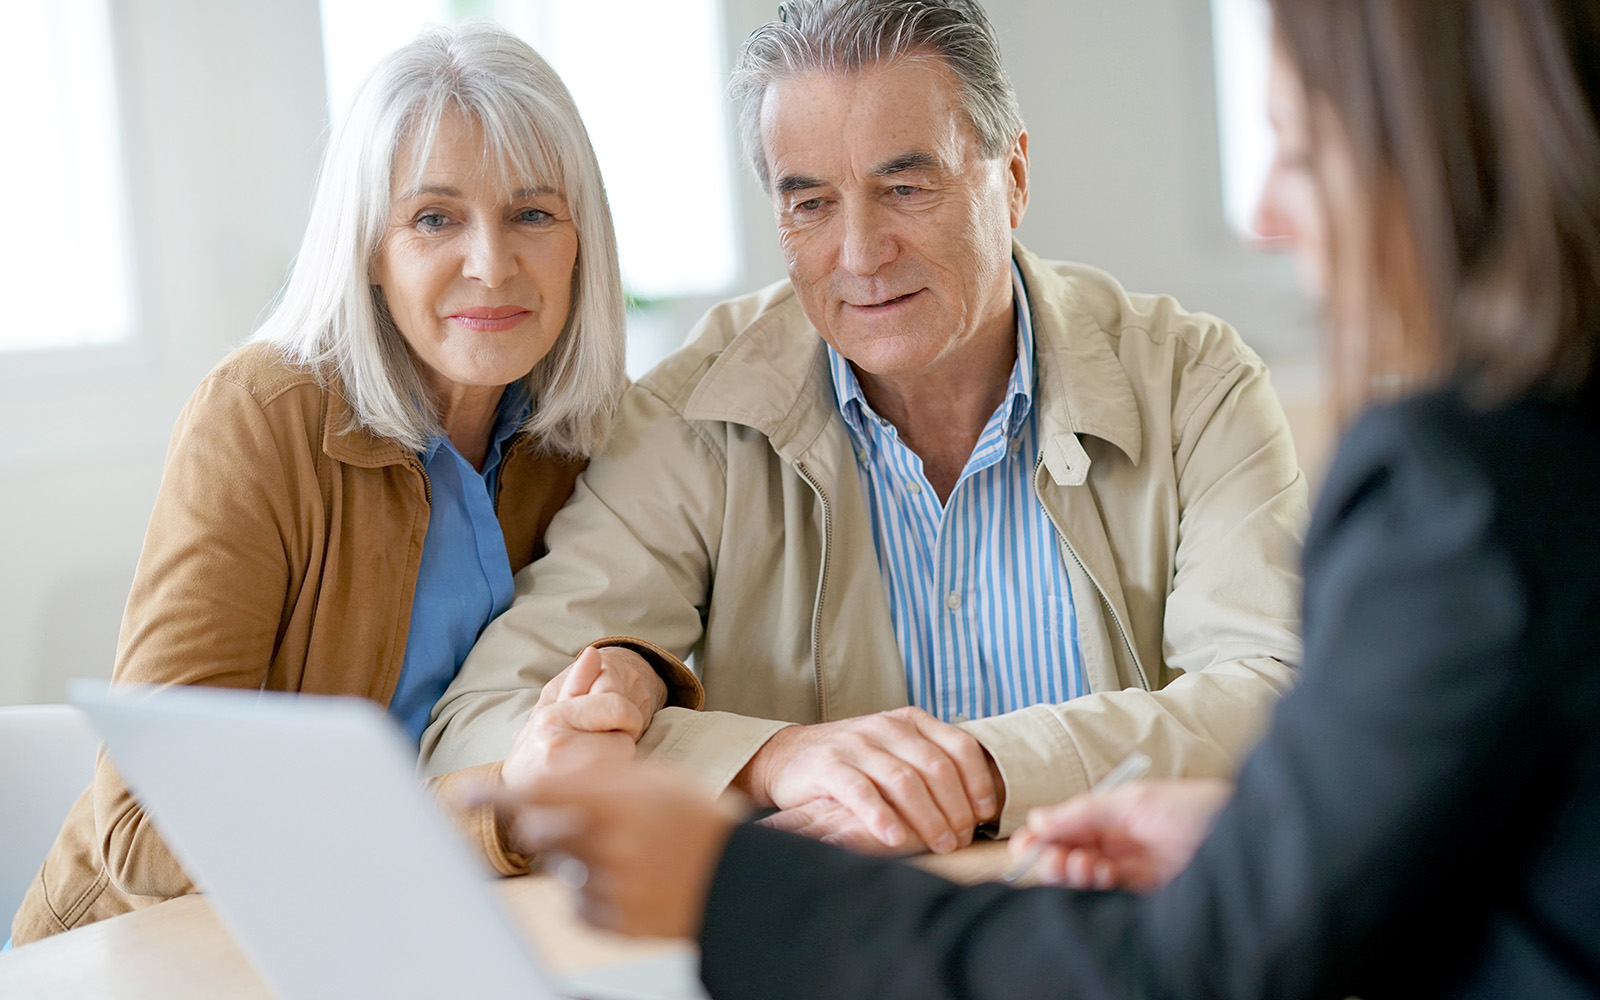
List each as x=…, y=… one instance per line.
x=945, y=844
x=987, y=804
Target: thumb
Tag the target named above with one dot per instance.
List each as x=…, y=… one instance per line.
x=585, y=670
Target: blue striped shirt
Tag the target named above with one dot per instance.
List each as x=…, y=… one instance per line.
x=977, y=587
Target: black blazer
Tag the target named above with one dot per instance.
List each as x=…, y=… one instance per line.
x=1421, y=820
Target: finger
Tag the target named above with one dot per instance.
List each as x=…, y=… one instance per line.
x=970, y=759
x=533, y=829
x=593, y=713
x=1081, y=820
x=943, y=781
x=585, y=670
x=802, y=820
x=551, y=692
x=862, y=796
x=905, y=789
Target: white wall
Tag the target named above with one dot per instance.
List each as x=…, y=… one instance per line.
x=224, y=104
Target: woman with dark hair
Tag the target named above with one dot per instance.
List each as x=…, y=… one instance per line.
x=1423, y=817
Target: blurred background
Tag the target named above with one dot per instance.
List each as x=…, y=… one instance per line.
x=162, y=154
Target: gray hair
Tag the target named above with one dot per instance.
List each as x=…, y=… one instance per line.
x=848, y=36
x=332, y=320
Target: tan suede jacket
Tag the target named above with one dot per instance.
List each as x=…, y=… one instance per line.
x=282, y=555
x=725, y=521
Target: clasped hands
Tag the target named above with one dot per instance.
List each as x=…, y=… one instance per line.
x=896, y=782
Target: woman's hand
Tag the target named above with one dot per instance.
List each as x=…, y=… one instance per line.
x=594, y=711
x=648, y=839
x=1136, y=837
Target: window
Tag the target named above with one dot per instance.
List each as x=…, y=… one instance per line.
x=1240, y=32
x=66, y=264
x=649, y=80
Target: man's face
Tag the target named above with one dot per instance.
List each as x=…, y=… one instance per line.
x=895, y=226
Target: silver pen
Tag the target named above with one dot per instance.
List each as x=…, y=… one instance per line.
x=1132, y=767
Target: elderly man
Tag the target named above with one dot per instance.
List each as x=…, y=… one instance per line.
x=1058, y=521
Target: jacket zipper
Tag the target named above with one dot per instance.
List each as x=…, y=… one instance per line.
x=427, y=487
x=822, y=587
x=1133, y=657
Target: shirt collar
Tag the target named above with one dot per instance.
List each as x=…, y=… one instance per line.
x=855, y=409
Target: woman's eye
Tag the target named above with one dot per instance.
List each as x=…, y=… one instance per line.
x=431, y=221
x=538, y=216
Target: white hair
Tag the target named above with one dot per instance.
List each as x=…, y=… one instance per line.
x=332, y=320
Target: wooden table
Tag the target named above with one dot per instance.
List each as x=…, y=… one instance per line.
x=178, y=949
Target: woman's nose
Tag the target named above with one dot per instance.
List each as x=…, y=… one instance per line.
x=489, y=257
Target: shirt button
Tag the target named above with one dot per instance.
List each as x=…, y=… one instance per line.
x=915, y=488
x=1016, y=445
x=953, y=601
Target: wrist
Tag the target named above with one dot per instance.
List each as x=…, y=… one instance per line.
x=752, y=779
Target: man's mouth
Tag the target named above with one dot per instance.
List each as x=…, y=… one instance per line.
x=886, y=303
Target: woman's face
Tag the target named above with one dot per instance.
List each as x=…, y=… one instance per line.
x=478, y=279
x=1297, y=199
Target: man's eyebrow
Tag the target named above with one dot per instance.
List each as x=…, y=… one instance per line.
x=796, y=182
x=907, y=161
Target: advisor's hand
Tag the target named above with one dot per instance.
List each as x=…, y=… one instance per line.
x=903, y=775
x=1136, y=837
x=648, y=839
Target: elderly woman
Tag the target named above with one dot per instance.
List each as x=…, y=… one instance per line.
x=346, y=498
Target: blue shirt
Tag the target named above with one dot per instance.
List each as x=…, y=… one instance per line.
x=465, y=577
x=977, y=587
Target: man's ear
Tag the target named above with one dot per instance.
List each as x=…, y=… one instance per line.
x=1017, y=168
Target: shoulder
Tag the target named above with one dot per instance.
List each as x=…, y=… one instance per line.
x=1437, y=469
x=1076, y=300
x=257, y=376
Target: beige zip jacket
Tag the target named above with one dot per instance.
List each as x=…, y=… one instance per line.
x=725, y=522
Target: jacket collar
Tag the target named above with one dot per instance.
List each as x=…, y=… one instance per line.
x=344, y=440
x=773, y=377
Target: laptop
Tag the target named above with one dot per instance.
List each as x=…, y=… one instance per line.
x=303, y=820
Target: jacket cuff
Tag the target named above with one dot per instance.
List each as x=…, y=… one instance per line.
x=479, y=823
x=1036, y=758
x=683, y=687
x=713, y=747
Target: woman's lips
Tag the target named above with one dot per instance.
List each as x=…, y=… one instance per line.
x=490, y=320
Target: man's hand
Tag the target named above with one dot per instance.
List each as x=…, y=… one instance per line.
x=903, y=776
x=1136, y=837
x=831, y=823
x=648, y=839
x=593, y=711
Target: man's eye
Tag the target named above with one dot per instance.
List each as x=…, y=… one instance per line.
x=904, y=190
x=809, y=205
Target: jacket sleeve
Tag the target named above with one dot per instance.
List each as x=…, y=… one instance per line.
x=631, y=553
x=1230, y=620
x=1420, y=747
x=208, y=595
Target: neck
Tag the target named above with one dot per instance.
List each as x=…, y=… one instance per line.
x=941, y=411
x=467, y=412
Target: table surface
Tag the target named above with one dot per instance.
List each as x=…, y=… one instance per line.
x=178, y=949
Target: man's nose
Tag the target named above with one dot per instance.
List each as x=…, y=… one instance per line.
x=489, y=257
x=868, y=241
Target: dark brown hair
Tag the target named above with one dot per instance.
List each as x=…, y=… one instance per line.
x=1472, y=127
